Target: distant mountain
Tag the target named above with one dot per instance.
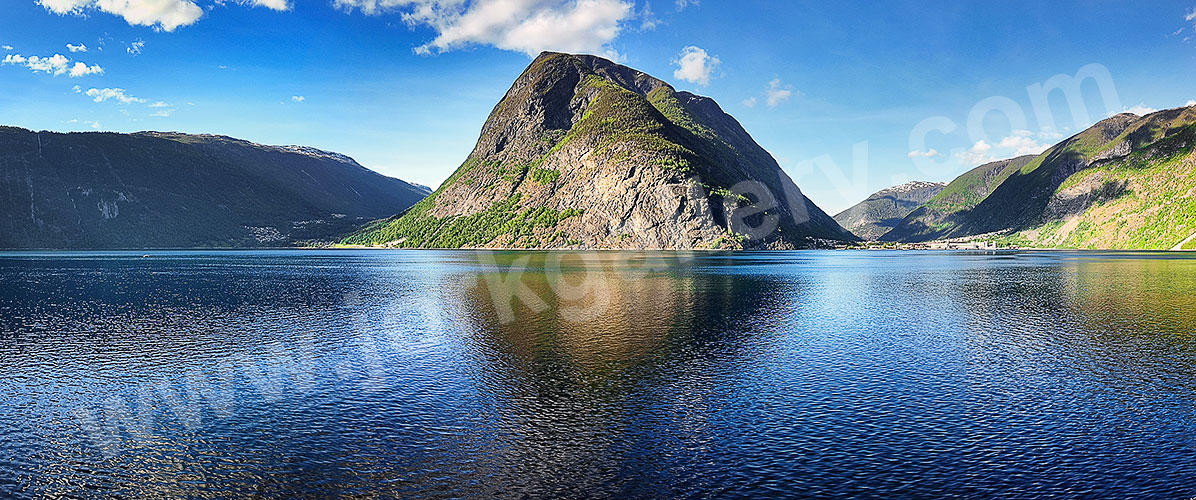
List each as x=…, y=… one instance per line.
x=585, y=153
x=879, y=213
x=948, y=207
x=1128, y=182
x=154, y=190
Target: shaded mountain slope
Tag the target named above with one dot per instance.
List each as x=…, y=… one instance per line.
x=585, y=153
x=156, y=190
x=879, y=213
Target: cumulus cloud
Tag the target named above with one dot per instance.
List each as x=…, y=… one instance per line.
x=929, y=153
x=135, y=48
x=272, y=4
x=1020, y=143
x=76, y=48
x=56, y=64
x=1190, y=103
x=527, y=26
x=80, y=69
x=778, y=93
x=1141, y=109
x=163, y=15
x=750, y=102
x=979, y=153
x=694, y=65
x=298, y=98
x=6, y=47
x=1017, y=143
x=101, y=95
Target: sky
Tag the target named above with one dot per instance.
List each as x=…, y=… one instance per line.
x=849, y=97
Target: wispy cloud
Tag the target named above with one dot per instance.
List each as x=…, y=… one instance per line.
x=298, y=98
x=929, y=153
x=778, y=93
x=750, y=102
x=135, y=48
x=101, y=95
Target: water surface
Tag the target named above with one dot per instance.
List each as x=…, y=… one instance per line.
x=450, y=374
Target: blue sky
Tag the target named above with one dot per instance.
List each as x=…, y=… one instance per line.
x=837, y=91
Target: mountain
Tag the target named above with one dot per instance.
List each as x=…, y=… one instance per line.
x=876, y=215
x=157, y=190
x=1128, y=182
x=585, y=153
x=942, y=212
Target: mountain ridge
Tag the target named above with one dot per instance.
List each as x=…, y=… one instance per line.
x=1126, y=182
x=585, y=153
x=100, y=190
x=881, y=211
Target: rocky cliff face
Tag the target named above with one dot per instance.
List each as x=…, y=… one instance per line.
x=585, y=153
x=878, y=214
x=155, y=190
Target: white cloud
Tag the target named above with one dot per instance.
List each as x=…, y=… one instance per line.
x=527, y=26
x=1021, y=143
x=978, y=154
x=298, y=98
x=929, y=153
x=6, y=47
x=272, y=4
x=694, y=65
x=1190, y=103
x=1141, y=109
x=750, y=102
x=159, y=104
x=80, y=69
x=682, y=4
x=77, y=89
x=163, y=113
x=101, y=95
x=648, y=19
x=56, y=64
x=93, y=124
x=1017, y=143
x=135, y=47
x=778, y=93
x=164, y=15
x=76, y=48
x=1191, y=15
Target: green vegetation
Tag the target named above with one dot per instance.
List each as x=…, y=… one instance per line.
x=418, y=229
x=545, y=175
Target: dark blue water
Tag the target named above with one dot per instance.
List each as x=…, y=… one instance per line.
x=461, y=374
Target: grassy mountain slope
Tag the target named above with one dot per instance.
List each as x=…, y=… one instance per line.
x=585, y=153
x=154, y=190
x=879, y=213
x=1125, y=183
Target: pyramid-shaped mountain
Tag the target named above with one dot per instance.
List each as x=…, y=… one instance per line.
x=586, y=153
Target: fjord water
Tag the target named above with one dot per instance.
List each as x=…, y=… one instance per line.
x=449, y=374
